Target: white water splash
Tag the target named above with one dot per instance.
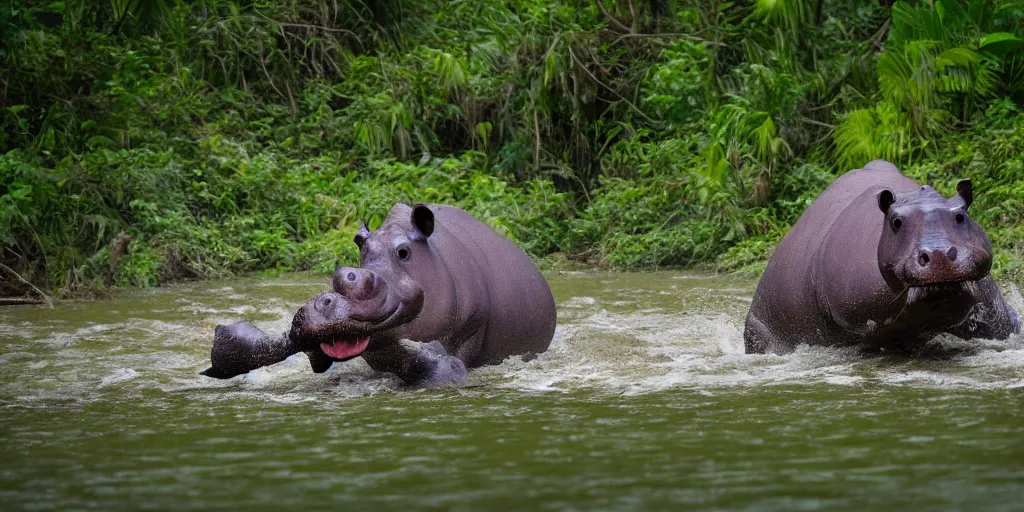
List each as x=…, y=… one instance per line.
x=638, y=353
x=681, y=332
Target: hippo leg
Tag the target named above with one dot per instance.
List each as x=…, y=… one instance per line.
x=991, y=317
x=418, y=364
x=441, y=368
x=757, y=339
x=241, y=347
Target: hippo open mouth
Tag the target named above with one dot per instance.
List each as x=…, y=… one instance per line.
x=339, y=327
x=345, y=348
x=938, y=291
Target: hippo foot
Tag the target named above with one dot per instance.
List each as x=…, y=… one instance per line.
x=758, y=339
x=434, y=367
x=240, y=348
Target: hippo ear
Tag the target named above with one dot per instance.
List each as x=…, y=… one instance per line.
x=885, y=199
x=965, y=190
x=422, y=220
x=361, y=236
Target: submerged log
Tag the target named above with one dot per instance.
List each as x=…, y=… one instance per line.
x=17, y=301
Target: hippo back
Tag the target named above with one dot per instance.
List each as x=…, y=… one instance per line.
x=519, y=310
x=790, y=286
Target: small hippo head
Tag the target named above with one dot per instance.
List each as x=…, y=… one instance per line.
x=929, y=240
x=377, y=297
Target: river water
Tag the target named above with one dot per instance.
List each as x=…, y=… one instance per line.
x=645, y=401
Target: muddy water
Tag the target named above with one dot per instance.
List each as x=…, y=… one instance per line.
x=645, y=401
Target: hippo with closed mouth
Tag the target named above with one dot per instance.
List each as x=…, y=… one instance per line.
x=882, y=261
x=437, y=292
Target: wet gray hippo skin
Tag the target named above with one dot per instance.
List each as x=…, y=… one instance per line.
x=882, y=261
x=437, y=291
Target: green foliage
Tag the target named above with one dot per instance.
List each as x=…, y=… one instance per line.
x=142, y=142
x=881, y=131
x=945, y=62
x=678, y=88
x=788, y=14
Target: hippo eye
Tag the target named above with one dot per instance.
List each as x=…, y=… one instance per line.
x=897, y=223
x=960, y=218
x=403, y=253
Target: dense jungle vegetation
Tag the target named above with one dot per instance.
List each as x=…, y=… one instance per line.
x=148, y=141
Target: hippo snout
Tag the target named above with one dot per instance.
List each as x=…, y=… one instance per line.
x=320, y=316
x=943, y=264
x=355, y=283
x=324, y=308
x=936, y=265
x=937, y=256
x=323, y=302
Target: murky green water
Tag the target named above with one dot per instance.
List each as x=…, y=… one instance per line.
x=645, y=401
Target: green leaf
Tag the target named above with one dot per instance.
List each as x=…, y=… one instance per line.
x=19, y=190
x=552, y=65
x=951, y=13
x=1000, y=43
x=99, y=140
x=960, y=56
x=484, y=131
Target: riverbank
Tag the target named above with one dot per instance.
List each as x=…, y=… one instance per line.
x=182, y=141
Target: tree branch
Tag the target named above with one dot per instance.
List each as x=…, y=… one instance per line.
x=612, y=19
x=536, y=141
x=42, y=296
x=632, y=12
x=270, y=79
x=689, y=37
x=817, y=123
x=606, y=86
x=876, y=42
x=316, y=27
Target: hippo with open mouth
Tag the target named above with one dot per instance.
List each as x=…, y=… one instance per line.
x=881, y=261
x=437, y=292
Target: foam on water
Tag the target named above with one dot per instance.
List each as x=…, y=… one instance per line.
x=638, y=353
x=625, y=333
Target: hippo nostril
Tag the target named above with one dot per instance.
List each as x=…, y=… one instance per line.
x=951, y=254
x=923, y=259
x=351, y=276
